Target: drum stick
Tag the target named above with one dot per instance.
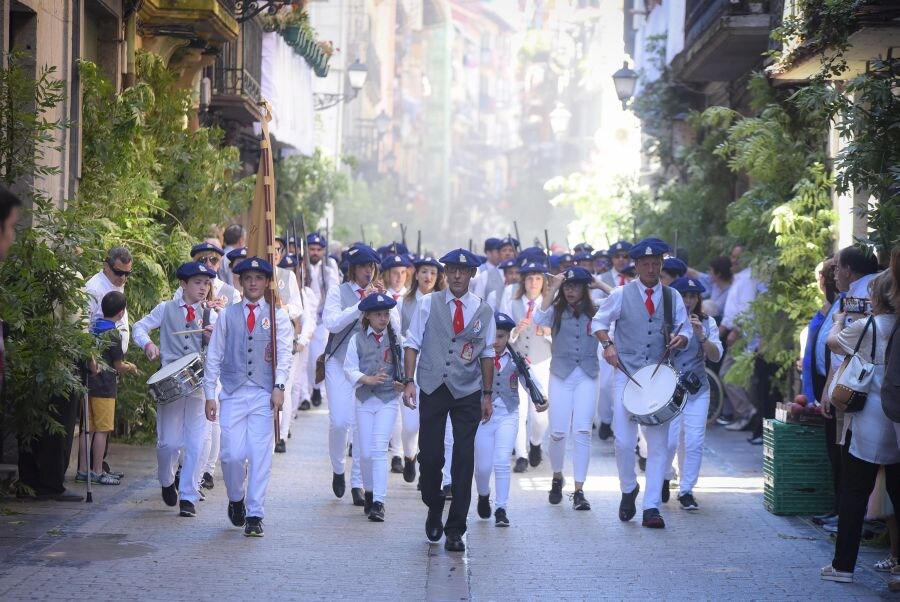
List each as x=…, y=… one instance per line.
x=666, y=352
x=195, y=331
x=628, y=374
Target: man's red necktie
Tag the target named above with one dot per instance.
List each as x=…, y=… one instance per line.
x=497, y=362
x=649, y=302
x=251, y=318
x=458, y=323
x=190, y=313
x=361, y=293
x=621, y=279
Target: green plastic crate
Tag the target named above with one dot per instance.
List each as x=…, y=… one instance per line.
x=817, y=501
x=810, y=469
x=796, y=471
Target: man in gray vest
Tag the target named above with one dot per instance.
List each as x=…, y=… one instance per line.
x=452, y=336
x=489, y=279
x=642, y=334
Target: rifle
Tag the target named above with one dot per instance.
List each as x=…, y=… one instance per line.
x=534, y=390
x=300, y=279
x=397, y=354
x=307, y=269
x=547, y=242
x=419, y=244
x=403, y=234
x=518, y=238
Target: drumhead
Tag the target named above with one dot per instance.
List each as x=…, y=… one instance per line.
x=653, y=393
x=173, y=368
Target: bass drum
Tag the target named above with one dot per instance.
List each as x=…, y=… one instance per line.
x=659, y=398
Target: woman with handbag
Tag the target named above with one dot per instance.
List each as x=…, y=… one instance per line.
x=869, y=437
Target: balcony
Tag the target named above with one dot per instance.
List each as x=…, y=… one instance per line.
x=209, y=20
x=723, y=39
x=236, y=76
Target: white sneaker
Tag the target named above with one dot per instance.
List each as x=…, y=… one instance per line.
x=739, y=423
x=829, y=573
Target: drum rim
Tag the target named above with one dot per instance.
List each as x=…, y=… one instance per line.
x=173, y=368
x=630, y=386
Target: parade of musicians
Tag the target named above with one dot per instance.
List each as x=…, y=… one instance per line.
x=449, y=299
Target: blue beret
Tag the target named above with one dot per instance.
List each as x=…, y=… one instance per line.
x=193, y=268
x=675, y=265
x=503, y=321
x=582, y=256
x=282, y=240
x=530, y=254
x=314, y=238
x=509, y=263
x=566, y=258
x=492, y=244
x=292, y=240
x=600, y=253
x=509, y=240
x=688, y=285
x=377, y=302
x=554, y=262
x=628, y=269
x=361, y=255
x=395, y=248
x=621, y=245
x=583, y=247
x=577, y=274
x=532, y=267
x=395, y=261
x=648, y=248
x=238, y=253
x=481, y=258
x=288, y=261
x=206, y=246
x=461, y=257
x=429, y=261
x=254, y=263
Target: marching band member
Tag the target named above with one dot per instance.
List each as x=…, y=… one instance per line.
x=567, y=311
x=301, y=389
x=618, y=255
x=240, y=355
x=370, y=367
x=672, y=268
x=638, y=305
x=323, y=276
x=393, y=276
x=292, y=303
x=210, y=255
x=180, y=424
x=533, y=343
x=489, y=278
x=688, y=429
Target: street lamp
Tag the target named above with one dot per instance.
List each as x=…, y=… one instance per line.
x=357, y=73
x=559, y=119
x=382, y=123
x=625, y=80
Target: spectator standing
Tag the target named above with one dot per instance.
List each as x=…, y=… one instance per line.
x=234, y=237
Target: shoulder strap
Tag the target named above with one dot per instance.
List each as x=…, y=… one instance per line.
x=668, y=313
x=206, y=314
x=862, y=335
x=328, y=349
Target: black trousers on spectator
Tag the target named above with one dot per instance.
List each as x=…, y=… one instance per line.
x=465, y=414
x=765, y=394
x=43, y=463
x=834, y=451
x=858, y=481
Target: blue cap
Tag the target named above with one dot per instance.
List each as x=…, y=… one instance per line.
x=377, y=302
x=292, y=240
x=361, y=255
x=688, y=285
x=481, y=258
x=554, y=262
x=282, y=240
x=492, y=244
x=238, y=253
x=582, y=256
x=628, y=270
x=508, y=263
x=206, y=246
x=530, y=254
x=429, y=261
x=583, y=247
x=193, y=268
x=577, y=274
x=461, y=257
x=288, y=261
x=503, y=321
x=314, y=238
x=600, y=253
x=395, y=261
x=675, y=266
x=509, y=240
x=532, y=267
x=395, y=248
x=621, y=245
x=254, y=263
x=648, y=247
x=566, y=258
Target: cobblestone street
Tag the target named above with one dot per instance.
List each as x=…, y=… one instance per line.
x=129, y=545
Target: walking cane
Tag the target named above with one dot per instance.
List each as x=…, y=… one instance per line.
x=85, y=431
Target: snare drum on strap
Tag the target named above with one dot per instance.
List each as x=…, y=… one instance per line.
x=181, y=377
x=659, y=399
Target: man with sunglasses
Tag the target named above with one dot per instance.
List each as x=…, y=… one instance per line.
x=116, y=270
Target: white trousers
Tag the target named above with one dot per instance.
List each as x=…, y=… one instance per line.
x=446, y=479
x=537, y=421
x=626, y=438
x=605, y=391
x=375, y=421
x=493, y=444
x=316, y=348
x=248, y=440
x=181, y=425
x=300, y=373
x=287, y=408
x=211, y=446
x=686, y=434
x=573, y=400
x=341, y=420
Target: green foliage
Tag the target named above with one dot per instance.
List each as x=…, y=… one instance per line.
x=596, y=202
x=370, y=209
x=307, y=186
x=816, y=26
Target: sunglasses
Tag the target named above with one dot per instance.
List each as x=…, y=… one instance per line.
x=118, y=272
x=212, y=259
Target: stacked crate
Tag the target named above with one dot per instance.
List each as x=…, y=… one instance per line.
x=796, y=471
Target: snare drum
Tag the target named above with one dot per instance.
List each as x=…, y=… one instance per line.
x=181, y=377
x=657, y=400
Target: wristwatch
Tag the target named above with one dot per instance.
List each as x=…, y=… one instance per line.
x=279, y=386
x=606, y=343
x=408, y=381
x=487, y=392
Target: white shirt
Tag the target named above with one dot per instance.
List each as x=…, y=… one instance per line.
x=290, y=295
x=478, y=284
x=470, y=304
x=611, y=309
x=284, y=333
x=96, y=288
x=153, y=320
x=308, y=319
x=351, y=360
x=336, y=319
x=315, y=277
x=741, y=292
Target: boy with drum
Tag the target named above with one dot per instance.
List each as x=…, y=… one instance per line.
x=179, y=422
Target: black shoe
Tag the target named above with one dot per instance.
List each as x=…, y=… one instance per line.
x=186, y=509
x=253, y=527
x=534, y=455
x=170, y=494
x=500, y=519
x=454, y=543
x=237, y=513
x=556, y=486
x=642, y=463
x=107, y=470
x=200, y=495
x=521, y=465
x=579, y=502
x=358, y=498
x=688, y=502
x=316, y=398
x=821, y=519
x=350, y=450
x=397, y=464
x=666, y=494
x=653, y=519
x=448, y=492
x=484, y=506
x=304, y=405
x=337, y=485
x=605, y=431
x=177, y=477
x=280, y=446
x=367, y=504
x=376, y=515
x=208, y=482
x=434, y=527
x=627, y=509
x=409, y=470
x=755, y=440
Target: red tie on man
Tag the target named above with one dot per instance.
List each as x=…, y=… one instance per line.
x=377, y=337
x=190, y=313
x=649, y=302
x=621, y=279
x=251, y=317
x=530, y=309
x=458, y=323
x=361, y=293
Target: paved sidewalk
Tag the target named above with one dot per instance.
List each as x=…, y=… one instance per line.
x=129, y=545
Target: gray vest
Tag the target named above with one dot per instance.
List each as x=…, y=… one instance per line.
x=441, y=358
x=171, y=346
x=528, y=343
x=607, y=277
x=349, y=298
x=372, y=358
x=407, y=310
x=692, y=359
x=506, y=386
x=573, y=346
x=639, y=337
x=494, y=282
x=248, y=356
x=227, y=292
